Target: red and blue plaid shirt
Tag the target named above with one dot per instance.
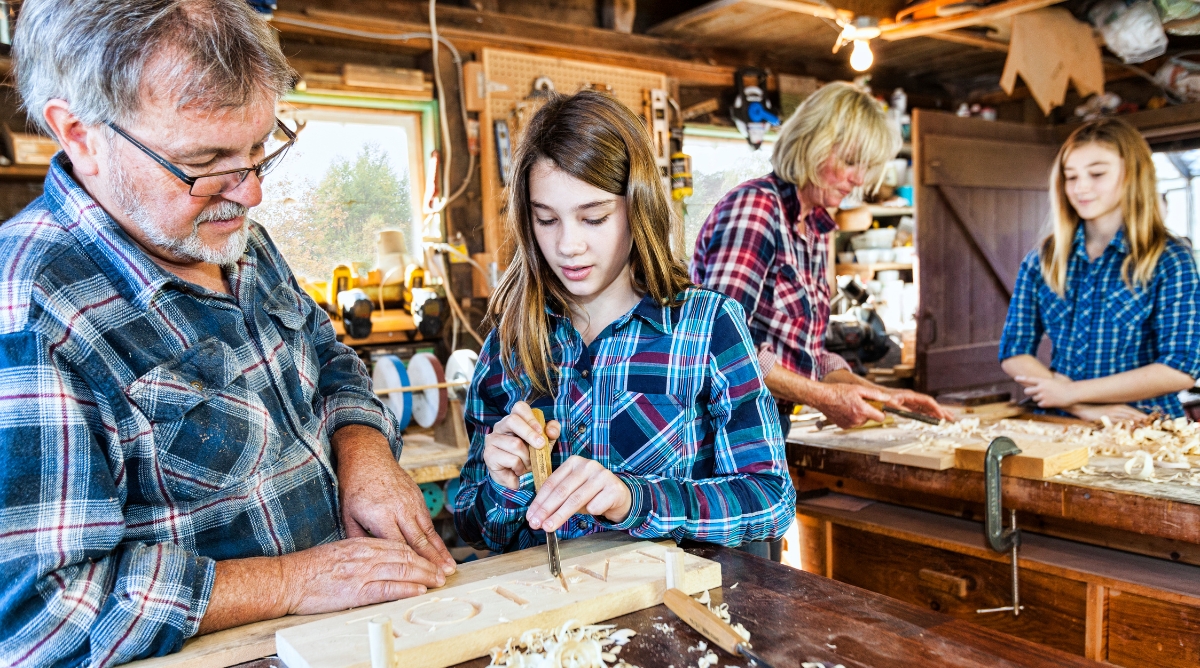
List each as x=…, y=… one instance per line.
x=148, y=427
x=754, y=248
x=669, y=399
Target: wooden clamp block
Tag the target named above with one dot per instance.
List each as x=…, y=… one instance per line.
x=921, y=455
x=1037, y=460
x=454, y=624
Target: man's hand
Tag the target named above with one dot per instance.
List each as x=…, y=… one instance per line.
x=333, y=576
x=918, y=403
x=354, y=572
x=506, y=448
x=579, y=484
x=1114, y=412
x=379, y=499
x=1056, y=392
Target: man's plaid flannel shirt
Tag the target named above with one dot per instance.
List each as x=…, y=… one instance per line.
x=149, y=427
x=668, y=398
x=754, y=248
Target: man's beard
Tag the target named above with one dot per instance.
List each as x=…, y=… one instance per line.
x=190, y=247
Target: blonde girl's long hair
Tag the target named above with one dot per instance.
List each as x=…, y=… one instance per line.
x=1145, y=232
x=596, y=139
x=839, y=120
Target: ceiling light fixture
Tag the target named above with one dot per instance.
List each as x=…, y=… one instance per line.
x=861, y=31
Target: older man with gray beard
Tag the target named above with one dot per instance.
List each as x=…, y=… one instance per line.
x=184, y=445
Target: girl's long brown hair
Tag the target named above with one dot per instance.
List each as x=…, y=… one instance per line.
x=596, y=139
x=1145, y=231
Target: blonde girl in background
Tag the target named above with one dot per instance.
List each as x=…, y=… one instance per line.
x=1115, y=292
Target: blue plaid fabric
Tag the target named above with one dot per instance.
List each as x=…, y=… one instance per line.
x=149, y=427
x=1100, y=327
x=669, y=399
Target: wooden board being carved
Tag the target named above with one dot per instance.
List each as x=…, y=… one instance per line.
x=455, y=624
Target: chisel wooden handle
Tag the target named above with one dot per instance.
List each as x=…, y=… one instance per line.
x=699, y=617
x=540, y=457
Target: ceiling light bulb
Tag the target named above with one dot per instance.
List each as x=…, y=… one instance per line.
x=861, y=58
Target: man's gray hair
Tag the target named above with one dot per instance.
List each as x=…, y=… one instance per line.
x=104, y=56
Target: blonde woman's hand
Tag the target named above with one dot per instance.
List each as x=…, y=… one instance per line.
x=506, y=448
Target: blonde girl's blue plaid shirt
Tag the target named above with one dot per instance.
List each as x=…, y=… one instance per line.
x=1101, y=327
x=669, y=399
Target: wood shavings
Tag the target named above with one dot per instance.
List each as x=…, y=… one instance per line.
x=1144, y=463
x=698, y=647
x=707, y=660
x=722, y=611
x=573, y=645
x=664, y=628
x=1172, y=444
x=818, y=664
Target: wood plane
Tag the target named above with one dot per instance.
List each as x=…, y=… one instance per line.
x=454, y=624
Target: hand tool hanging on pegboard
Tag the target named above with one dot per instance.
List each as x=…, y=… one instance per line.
x=654, y=110
x=752, y=111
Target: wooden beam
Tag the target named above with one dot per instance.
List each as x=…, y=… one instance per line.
x=318, y=22
x=810, y=8
x=970, y=39
x=988, y=14
x=716, y=6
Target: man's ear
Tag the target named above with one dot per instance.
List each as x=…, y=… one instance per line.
x=77, y=140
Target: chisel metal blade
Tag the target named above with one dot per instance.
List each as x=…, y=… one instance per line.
x=552, y=550
x=754, y=658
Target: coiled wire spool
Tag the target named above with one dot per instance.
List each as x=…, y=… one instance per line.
x=390, y=373
x=429, y=407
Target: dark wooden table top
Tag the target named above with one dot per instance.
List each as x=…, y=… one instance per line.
x=797, y=617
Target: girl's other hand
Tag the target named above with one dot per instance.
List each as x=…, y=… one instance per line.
x=579, y=485
x=1056, y=392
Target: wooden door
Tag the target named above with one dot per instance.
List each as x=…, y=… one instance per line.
x=982, y=203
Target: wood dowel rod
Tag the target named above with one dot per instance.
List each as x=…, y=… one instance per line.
x=418, y=388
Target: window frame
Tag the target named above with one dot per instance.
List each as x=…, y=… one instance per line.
x=419, y=119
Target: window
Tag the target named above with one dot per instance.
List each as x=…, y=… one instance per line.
x=1177, y=184
x=721, y=159
x=351, y=174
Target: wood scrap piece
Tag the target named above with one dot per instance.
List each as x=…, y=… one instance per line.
x=921, y=455
x=1049, y=49
x=1038, y=459
x=454, y=624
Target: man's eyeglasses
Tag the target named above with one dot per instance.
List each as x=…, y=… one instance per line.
x=216, y=183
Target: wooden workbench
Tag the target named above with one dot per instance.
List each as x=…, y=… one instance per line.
x=1088, y=589
x=1156, y=519
x=794, y=616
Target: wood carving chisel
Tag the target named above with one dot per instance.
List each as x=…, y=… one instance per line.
x=699, y=617
x=540, y=457
x=905, y=414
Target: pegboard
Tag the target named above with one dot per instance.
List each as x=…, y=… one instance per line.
x=511, y=74
x=510, y=77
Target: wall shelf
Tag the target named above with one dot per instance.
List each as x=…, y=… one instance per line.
x=23, y=172
x=886, y=211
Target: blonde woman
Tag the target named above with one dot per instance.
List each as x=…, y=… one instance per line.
x=766, y=244
x=659, y=424
x=1116, y=294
